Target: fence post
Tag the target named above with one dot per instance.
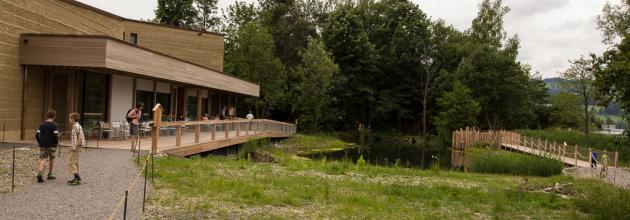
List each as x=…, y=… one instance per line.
x=616, y=159
x=13, y=171
x=146, y=173
x=214, y=128
x=178, y=135
x=125, y=208
x=4, y=131
x=238, y=129
x=226, y=128
x=576, y=154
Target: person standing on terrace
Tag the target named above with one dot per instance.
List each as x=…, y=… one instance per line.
x=134, y=117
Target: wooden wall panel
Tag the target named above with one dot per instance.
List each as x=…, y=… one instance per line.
x=37, y=16
x=196, y=47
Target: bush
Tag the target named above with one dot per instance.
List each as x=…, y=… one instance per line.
x=503, y=162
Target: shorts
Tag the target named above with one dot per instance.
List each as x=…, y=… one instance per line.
x=47, y=152
x=134, y=129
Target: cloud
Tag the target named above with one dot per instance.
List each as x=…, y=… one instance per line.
x=531, y=7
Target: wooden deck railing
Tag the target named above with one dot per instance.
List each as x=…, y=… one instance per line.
x=228, y=128
x=468, y=137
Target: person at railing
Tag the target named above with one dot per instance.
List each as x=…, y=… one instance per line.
x=232, y=112
x=205, y=117
x=594, y=159
x=223, y=113
x=250, y=116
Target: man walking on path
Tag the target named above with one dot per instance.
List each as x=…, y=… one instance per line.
x=134, y=126
x=48, y=138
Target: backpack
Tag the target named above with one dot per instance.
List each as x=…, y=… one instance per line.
x=129, y=119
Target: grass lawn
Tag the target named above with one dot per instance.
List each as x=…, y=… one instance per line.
x=226, y=188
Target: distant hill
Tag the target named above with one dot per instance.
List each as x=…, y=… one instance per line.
x=553, y=84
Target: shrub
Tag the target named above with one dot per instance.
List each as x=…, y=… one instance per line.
x=361, y=161
x=503, y=162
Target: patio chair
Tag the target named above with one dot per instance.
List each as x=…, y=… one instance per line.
x=116, y=128
x=107, y=129
x=124, y=129
x=145, y=128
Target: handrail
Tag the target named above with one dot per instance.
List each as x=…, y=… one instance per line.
x=213, y=122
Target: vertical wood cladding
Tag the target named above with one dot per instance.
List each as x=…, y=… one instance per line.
x=63, y=17
x=197, y=47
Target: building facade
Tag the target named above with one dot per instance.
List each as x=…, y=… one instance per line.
x=71, y=57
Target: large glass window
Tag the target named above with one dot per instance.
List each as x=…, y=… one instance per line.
x=164, y=99
x=191, y=107
x=145, y=97
x=94, y=98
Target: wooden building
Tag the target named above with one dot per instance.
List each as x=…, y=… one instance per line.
x=71, y=57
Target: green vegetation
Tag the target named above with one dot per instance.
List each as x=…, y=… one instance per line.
x=487, y=160
x=298, y=188
x=303, y=143
x=598, y=142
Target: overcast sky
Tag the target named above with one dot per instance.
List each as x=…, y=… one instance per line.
x=551, y=31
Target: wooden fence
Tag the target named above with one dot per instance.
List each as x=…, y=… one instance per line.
x=569, y=155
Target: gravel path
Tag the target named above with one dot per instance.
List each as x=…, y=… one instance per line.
x=106, y=173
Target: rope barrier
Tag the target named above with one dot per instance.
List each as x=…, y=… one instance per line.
x=129, y=188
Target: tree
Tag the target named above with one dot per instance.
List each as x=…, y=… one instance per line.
x=435, y=62
x=615, y=21
x=612, y=74
x=253, y=59
x=315, y=71
x=580, y=79
x=206, y=11
x=509, y=95
x=180, y=13
x=458, y=109
x=565, y=111
x=487, y=27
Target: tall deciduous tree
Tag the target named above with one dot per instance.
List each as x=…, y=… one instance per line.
x=252, y=59
x=180, y=13
x=580, y=79
x=315, y=72
x=438, y=55
x=207, y=17
x=613, y=74
x=615, y=21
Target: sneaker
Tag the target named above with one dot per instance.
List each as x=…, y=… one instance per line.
x=40, y=178
x=51, y=177
x=74, y=182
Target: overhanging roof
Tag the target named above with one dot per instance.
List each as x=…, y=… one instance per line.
x=113, y=54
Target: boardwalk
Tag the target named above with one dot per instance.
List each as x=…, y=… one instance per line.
x=106, y=173
x=571, y=156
